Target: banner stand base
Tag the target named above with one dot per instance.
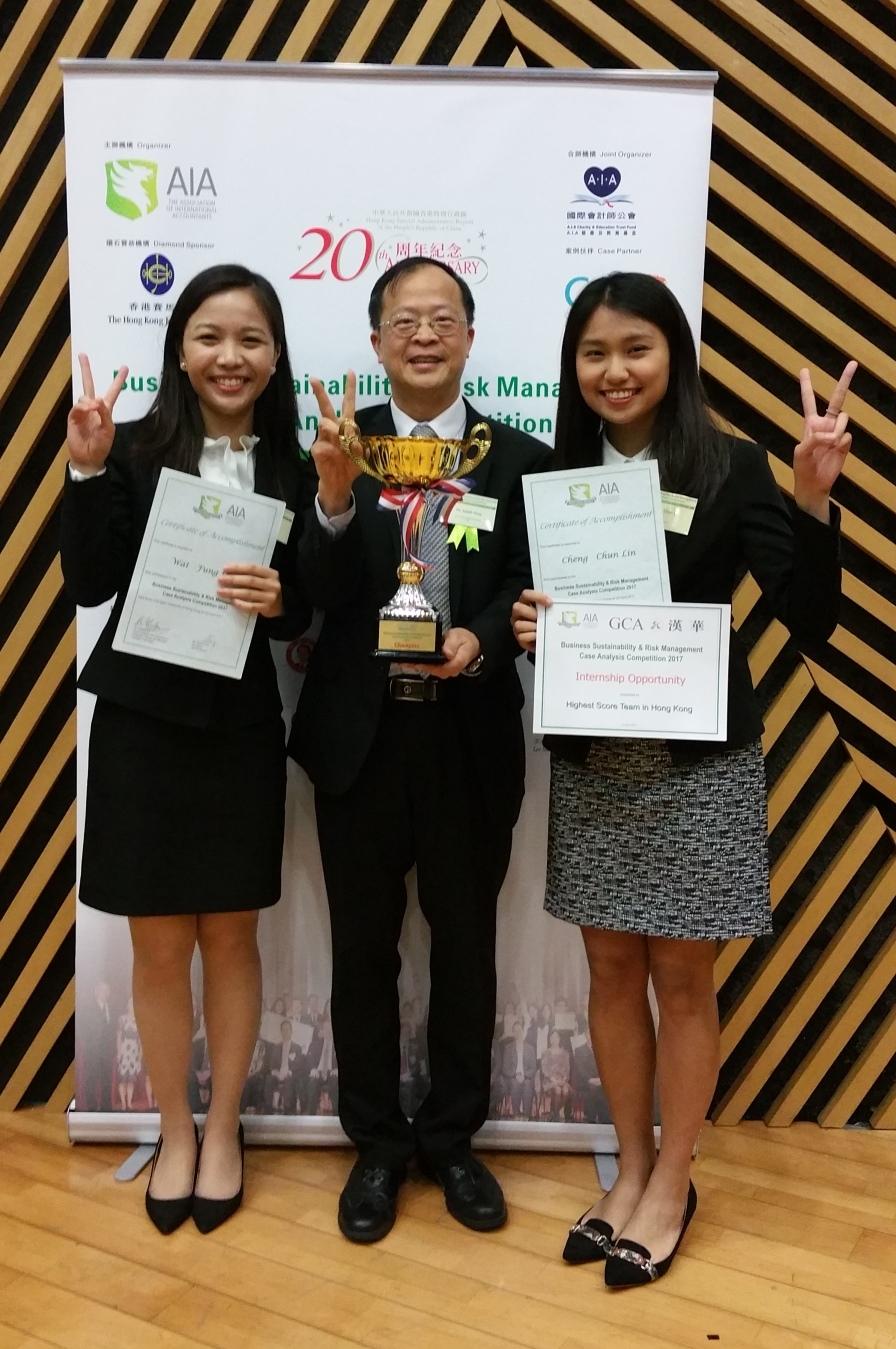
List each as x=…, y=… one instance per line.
x=114, y=1126
x=133, y=1165
x=606, y=1164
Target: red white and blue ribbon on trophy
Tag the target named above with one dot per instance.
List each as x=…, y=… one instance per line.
x=411, y=503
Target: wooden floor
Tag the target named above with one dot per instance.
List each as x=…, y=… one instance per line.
x=793, y=1245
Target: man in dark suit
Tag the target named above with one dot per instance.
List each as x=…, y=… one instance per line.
x=285, y=1067
x=417, y=765
x=519, y=1072
x=586, y=1081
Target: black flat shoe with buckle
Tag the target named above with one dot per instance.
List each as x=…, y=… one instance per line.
x=589, y=1239
x=472, y=1194
x=367, y=1203
x=629, y=1265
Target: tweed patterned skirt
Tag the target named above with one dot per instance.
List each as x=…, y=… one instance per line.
x=639, y=843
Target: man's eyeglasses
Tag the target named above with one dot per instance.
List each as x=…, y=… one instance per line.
x=443, y=324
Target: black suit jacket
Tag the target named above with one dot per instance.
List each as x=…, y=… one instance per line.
x=792, y=556
x=274, y=1057
x=508, y=1062
x=103, y=521
x=353, y=577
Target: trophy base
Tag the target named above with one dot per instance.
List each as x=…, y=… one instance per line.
x=416, y=641
x=411, y=657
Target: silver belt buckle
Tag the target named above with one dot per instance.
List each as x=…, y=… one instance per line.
x=411, y=689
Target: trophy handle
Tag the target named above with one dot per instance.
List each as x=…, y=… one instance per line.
x=480, y=438
x=349, y=436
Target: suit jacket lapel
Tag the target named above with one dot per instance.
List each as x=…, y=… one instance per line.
x=457, y=557
x=380, y=423
x=265, y=484
x=677, y=553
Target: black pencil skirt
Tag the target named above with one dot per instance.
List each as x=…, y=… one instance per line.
x=181, y=819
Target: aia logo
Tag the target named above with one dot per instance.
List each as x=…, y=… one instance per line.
x=602, y=182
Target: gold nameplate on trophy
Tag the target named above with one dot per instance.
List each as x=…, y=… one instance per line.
x=410, y=628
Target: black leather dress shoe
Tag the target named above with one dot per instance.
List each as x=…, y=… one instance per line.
x=472, y=1195
x=367, y=1204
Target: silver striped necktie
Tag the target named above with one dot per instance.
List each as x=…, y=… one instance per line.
x=434, y=549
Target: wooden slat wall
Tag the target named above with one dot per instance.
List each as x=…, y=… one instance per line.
x=801, y=269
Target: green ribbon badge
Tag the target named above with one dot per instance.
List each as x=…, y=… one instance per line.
x=468, y=532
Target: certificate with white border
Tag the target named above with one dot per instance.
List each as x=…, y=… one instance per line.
x=172, y=612
x=652, y=671
x=597, y=533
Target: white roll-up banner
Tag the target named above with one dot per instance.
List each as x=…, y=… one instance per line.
x=527, y=184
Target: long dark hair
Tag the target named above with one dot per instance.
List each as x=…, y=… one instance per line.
x=172, y=432
x=691, y=451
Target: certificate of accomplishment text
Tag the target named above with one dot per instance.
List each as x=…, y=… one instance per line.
x=597, y=533
x=172, y=612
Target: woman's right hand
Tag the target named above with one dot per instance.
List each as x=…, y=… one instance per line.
x=524, y=616
x=91, y=430
x=335, y=471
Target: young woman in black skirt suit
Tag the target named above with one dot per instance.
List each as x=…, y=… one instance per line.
x=658, y=849
x=186, y=777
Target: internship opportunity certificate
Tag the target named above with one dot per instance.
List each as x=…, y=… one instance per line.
x=172, y=612
x=597, y=533
x=652, y=671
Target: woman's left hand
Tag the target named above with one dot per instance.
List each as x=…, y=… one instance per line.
x=254, y=589
x=820, y=455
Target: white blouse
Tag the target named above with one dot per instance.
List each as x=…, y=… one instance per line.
x=221, y=464
x=611, y=458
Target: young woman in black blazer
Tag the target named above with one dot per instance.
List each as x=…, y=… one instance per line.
x=186, y=776
x=658, y=849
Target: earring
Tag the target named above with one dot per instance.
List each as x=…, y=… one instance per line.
x=183, y=365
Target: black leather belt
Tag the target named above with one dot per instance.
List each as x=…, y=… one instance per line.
x=413, y=689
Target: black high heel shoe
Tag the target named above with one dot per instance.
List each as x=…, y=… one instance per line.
x=211, y=1213
x=630, y=1265
x=589, y=1239
x=168, y=1214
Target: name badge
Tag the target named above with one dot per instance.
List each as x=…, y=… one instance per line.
x=473, y=511
x=286, y=526
x=678, y=512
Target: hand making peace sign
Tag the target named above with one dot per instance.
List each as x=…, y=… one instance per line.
x=91, y=431
x=335, y=470
x=820, y=455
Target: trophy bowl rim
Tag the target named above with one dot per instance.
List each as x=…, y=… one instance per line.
x=391, y=448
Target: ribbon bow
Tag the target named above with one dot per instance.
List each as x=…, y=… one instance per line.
x=410, y=503
x=459, y=533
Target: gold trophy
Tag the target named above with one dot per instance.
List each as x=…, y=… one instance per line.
x=412, y=469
